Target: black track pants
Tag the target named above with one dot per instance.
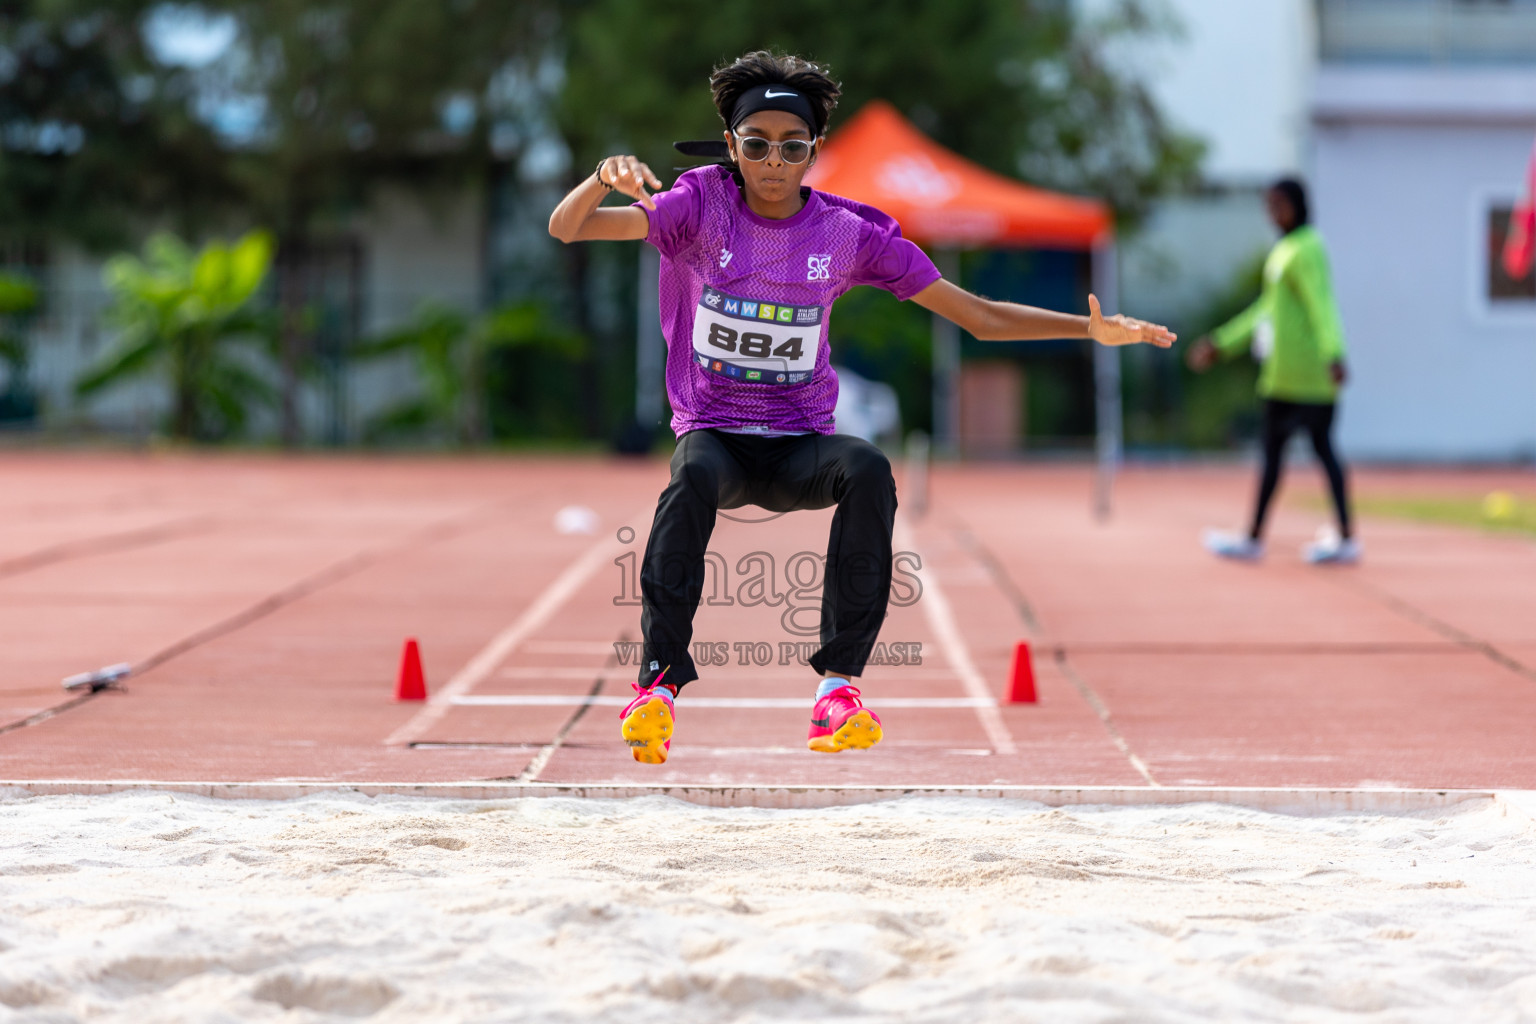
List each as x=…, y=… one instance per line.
x=712, y=470
x=1281, y=420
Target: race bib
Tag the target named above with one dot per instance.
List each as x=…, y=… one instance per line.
x=755, y=342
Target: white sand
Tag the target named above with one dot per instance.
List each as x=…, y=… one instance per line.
x=147, y=907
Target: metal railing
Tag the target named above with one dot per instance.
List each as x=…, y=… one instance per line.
x=1437, y=31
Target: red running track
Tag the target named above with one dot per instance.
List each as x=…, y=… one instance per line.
x=264, y=601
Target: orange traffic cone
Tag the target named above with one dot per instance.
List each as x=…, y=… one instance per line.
x=1021, y=683
x=411, y=684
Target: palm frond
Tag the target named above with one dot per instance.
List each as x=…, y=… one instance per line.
x=135, y=354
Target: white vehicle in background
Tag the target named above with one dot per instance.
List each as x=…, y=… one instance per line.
x=866, y=408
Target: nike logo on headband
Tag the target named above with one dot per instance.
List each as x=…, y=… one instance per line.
x=771, y=95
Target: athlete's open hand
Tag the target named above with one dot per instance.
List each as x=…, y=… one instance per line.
x=1123, y=330
x=629, y=176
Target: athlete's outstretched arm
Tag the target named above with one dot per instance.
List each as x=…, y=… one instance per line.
x=991, y=320
x=578, y=219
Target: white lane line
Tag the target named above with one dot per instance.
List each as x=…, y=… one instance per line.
x=519, y=700
x=1004, y=582
x=592, y=648
x=534, y=768
x=1102, y=710
x=941, y=618
x=480, y=667
x=711, y=674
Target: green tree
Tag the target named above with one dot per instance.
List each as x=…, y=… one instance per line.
x=454, y=355
x=308, y=109
x=96, y=134
x=352, y=94
x=189, y=318
x=18, y=298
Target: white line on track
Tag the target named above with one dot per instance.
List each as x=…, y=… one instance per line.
x=480, y=667
x=591, y=648
x=942, y=620
x=1099, y=708
x=712, y=674
x=518, y=700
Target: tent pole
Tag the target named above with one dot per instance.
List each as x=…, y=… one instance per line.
x=946, y=365
x=649, y=344
x=1106, y=386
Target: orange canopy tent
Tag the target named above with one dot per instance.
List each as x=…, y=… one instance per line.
x=942, y=199
x=946, y=202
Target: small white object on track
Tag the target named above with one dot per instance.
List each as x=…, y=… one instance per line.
x=576, y=519
x=100, y=679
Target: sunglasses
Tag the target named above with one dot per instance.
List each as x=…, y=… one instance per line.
x=791, y=151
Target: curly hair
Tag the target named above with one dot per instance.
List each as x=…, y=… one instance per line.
x=762, y=67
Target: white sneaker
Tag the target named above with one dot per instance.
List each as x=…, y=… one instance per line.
x=1331, y=549
x=1237, y=546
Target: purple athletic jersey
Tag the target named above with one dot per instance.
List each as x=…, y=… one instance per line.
x=744, y=300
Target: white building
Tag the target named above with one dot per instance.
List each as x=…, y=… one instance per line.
x=1412, y=120
x=1424, y=114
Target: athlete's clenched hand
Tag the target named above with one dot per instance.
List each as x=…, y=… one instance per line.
x=629, y=176
x=1123, y=330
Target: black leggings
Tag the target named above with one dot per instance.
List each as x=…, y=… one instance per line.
x=1281, y=420
x=711, y=470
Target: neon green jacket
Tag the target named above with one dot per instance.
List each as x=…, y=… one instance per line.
x=1295, y=318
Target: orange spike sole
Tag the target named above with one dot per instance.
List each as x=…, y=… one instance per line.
x=860, y=732
x=647, y=730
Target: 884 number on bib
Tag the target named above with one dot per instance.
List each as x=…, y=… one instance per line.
x=754, y=344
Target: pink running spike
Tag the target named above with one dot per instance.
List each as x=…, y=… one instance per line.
x=840, y=721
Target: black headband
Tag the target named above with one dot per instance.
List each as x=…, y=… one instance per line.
x=774, y=97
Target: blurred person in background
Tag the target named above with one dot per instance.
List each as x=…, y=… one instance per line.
x=1293, y=330
x=751, y=263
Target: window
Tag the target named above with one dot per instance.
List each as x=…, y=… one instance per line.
x=1457, y=31
x=1499, y=287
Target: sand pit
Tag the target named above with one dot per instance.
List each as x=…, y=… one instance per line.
x=149, y=907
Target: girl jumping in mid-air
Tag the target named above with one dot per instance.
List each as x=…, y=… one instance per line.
x=751, y=262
